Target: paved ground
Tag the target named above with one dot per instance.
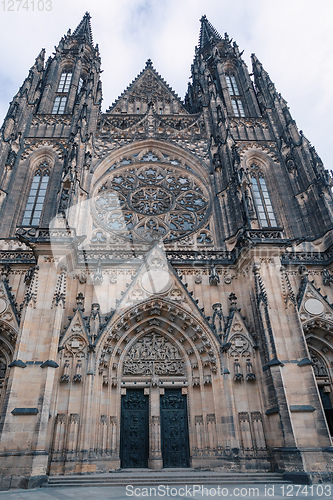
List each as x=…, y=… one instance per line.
x=245, y=491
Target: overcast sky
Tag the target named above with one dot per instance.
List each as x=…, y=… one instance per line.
x=292, y=38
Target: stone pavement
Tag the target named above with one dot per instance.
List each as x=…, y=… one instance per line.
x=177, y=492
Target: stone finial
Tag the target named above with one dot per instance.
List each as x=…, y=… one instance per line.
x=98, y=275
x=327, y=278
x=80, y=301
x=214, y=278
x=233, y=299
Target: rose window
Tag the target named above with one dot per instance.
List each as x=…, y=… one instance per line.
x=151, y=203
x=151, y=200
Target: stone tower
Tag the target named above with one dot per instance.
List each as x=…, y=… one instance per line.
x=166, y=283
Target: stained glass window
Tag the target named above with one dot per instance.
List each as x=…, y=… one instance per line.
x=59, y=105
x=34, y=207
x=237, y=107
x=237, y=104
x=151, y=202
x=63, y=89
x=232, y=85
x=64, y=83
x=263, y=202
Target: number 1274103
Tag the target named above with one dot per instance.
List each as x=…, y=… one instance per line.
x=26, y=5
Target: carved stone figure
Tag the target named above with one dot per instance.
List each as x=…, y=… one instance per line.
x=153, y=355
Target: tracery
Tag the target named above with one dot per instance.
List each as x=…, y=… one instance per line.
x=151, y=202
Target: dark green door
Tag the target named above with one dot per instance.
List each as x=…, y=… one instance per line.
x=175, y=447
x=134, y=431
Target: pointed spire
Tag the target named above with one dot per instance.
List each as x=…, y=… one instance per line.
x=207, y=33
x=83, y=30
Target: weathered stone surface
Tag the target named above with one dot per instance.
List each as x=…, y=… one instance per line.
x=182, y=250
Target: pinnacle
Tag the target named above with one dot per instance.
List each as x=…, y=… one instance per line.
x=39, y=61
x=254, y=59
x=207, y=33
x=258, y=68
x=83, y=30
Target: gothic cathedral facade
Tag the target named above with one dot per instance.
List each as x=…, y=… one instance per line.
x=166, y=273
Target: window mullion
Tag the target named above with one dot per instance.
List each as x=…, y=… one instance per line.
x=35, y=201
x=36, y=198
x=263, y=201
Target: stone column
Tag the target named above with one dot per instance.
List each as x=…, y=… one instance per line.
x=199, y=434
x=155, y=460
x=24, y=445
x=113, y=436
x=88, y=418
x=293, y=401
x=103, y=432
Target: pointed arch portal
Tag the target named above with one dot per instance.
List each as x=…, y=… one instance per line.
x=156, y=352
x=154, y=357
x=318, y=335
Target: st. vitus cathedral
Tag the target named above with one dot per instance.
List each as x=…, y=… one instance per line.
x=167, y=273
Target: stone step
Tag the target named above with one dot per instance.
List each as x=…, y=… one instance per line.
x=152, y=478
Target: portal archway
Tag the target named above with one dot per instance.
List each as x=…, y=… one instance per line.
x=7, y=344
x=156, y=360
x=157, y=355
x=319, y=337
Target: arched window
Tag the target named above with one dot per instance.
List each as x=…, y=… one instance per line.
x=62, y=93
x=262, y=200
x=236, y=101
x=36, y=197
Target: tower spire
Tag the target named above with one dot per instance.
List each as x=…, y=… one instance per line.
x=207, y=33
x=83, y=30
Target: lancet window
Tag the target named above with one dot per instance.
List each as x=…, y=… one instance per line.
x=60, y=100
x=262, y=200
x=232, y=85
x=237, y=107
x=65, y=81
x=236, y=101
x=34, y=207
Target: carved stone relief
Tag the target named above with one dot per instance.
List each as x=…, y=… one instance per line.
x=240, y=346
x=153, y=355
x=319, y=365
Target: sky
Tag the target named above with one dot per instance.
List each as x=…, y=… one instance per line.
x=292, y=38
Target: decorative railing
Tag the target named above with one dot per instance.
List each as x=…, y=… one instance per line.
x=187, y=257
x=174, y=257
x=17, y=257
x=45, y=234
x=264, y=234
x=325, y=258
